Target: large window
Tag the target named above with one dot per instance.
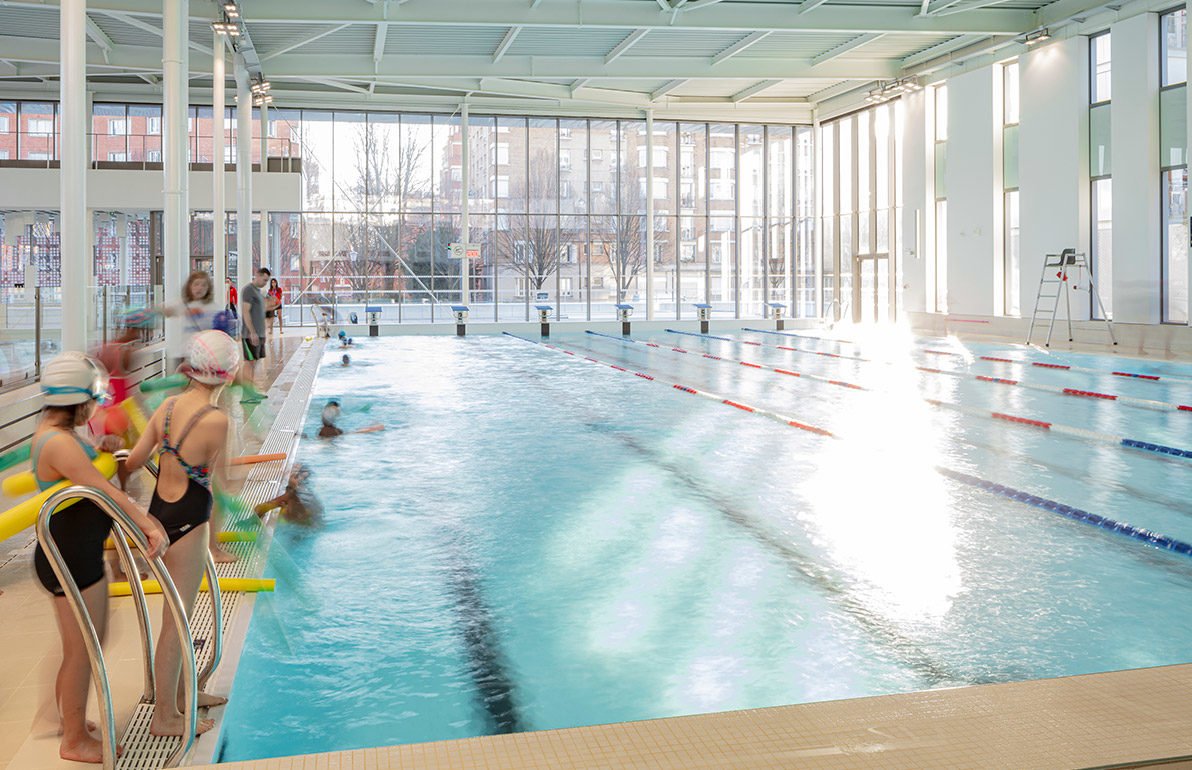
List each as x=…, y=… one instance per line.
x=1011, y=270
x=940, y=261
x=1100, y=173
x=1173, y=164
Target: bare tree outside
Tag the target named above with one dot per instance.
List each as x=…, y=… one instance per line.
x=533, y=243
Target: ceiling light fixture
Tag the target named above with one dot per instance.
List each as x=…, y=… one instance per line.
x=229, y=28
x=1036, y=37
x=231, y=10
x=887, y=90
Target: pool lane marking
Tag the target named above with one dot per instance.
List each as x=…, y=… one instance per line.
x=1030, y=422
x=1023, y=362
x=1137, y=533
x=1141, y=403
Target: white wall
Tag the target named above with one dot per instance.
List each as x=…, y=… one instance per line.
x=974, y=191
x=1053, y=160
x=1135, y=144
x=112, y=190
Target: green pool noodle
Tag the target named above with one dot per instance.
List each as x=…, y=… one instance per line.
x=164, y=383
x=15, y=457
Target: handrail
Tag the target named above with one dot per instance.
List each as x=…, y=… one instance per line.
x=213, y=590
x=99, y=673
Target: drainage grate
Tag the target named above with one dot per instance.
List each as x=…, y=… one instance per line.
x=294, y=384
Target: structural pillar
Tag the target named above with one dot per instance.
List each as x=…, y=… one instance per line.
x=176, y=236
x=264, y=162
x=243, y=175
x=121, y=226
x=74, y=220
x=649, y=215
x=219, y=225
x=464, y=221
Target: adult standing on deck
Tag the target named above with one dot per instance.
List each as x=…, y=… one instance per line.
x=252, y=319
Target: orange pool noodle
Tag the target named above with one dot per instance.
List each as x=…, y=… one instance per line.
x=254, y=459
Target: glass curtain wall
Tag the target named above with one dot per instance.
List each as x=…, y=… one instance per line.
x=860, y=214
x=1101, y=175
x=557, y=215
x=1173, y=164
x=940, y=261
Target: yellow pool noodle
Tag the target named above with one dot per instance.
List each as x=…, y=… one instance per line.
x=250, y=585
x=135, y=415
x=23, y=515
x=25, y=482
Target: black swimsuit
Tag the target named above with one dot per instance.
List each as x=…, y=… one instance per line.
x=78, y=532
x=193, y=509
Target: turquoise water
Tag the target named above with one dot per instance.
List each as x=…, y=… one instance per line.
x=539, y=542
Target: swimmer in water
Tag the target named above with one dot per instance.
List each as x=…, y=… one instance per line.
x=331, y=413
x=346, y=360
x=298, y=503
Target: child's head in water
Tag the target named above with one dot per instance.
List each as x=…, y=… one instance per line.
x=331, y=412
x=346, y=360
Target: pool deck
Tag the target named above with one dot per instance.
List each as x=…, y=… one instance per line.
x=1138, y=718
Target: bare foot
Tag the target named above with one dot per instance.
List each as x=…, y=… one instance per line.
x=87, y=749
x=172, y=725
x=223, y=557
x=206, y=701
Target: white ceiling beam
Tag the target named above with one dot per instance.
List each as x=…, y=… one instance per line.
x=739, y=46
x=941, y=6
x=697, y=4
x=836, y=90
x=6, y=63
x=534, y=4
x=578, y=84
x=807, y=6
x=338, y=84
x=923, y=7
x=99, y=36
x=296, y=44
x=967, y=8
x=946, y=47
x=133, y=21
x=741, y=17
x=664, y=5
x=625, y=45
x=754, y=90
x=42, y=51
x=506, y=42
x=360, y=67
x=379, y=39
x=666, y=89
x=844, y=48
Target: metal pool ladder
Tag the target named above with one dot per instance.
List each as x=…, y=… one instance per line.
x=126, y=530
x=1056, y=272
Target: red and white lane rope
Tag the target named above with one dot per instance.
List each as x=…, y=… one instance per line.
x=1069, y=430
x=1003, y=360
x=1141, y=403
x=1121, y=528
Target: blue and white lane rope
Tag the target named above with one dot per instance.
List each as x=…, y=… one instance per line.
x=1075, y=514
x=1067, y=430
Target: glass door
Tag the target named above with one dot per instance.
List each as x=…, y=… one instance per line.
x=871, y=288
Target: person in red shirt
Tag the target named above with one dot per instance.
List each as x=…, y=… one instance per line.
x=273, y=306
x=233, y=297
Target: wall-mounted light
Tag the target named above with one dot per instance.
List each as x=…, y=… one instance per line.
x=885, y=91
x=1036, y=37
x=231, y=10
x=229, y=28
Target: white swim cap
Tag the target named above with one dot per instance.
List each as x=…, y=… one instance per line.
x=212, y=358
x=73, y=378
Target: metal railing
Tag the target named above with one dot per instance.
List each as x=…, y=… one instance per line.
x=40, y=149
x=126, y=530
x=31, y=325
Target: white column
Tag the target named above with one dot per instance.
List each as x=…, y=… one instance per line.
x=74, y=220
x=1134, y=137
x=465, y=224
x=219, y=257
x=243, y=175
x=1187, y=148
x=176, y=236
x=1053, y=155
x=649, y=215
x=264, y=161
x=915, y=197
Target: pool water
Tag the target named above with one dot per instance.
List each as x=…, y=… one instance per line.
x=536, y=541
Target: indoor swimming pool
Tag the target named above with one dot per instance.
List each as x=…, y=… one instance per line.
x=540, y=541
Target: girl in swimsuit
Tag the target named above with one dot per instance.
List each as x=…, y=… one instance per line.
x=72, y=384
x=191, y=434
